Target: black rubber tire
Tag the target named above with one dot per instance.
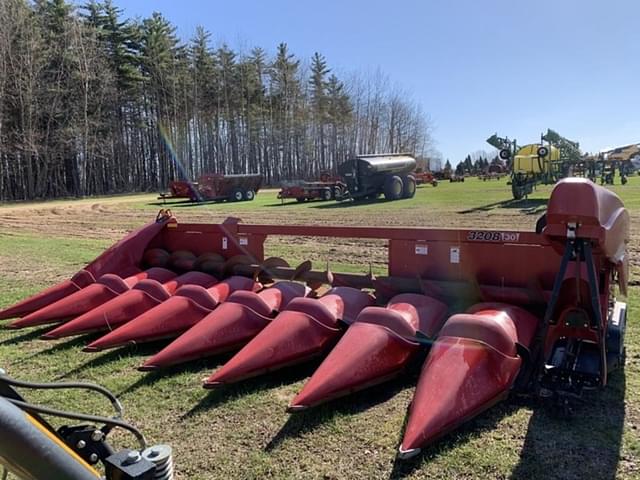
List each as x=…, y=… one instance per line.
x=541, y=223
x=504, y=154
x=326, y=194
x=249, y=195
x=393, y=187
x=408, y=186
x=517, y=190
x=237, y=195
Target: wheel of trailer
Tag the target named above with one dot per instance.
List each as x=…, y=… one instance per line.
x=326, y=194
x=393, y=187
x=517, y=190
x=541, y=223
x=623, y=180
x=249, y=195
x=408, y=186
x=434, y=183
x=237, y=194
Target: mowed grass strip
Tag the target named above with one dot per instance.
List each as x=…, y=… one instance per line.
x=243, y=431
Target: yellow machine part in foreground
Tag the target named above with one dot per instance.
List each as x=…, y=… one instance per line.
x=526, y=159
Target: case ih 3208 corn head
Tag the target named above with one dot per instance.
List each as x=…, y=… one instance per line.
x=495, y=311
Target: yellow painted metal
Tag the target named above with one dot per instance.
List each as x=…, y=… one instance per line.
x=61, y=444
x=526, y=159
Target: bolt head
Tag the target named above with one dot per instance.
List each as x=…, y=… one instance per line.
x=81, y=444
x=97, y=435
x=93, y=458
x=133, y=457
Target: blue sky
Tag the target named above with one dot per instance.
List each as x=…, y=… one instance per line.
x=477, y=67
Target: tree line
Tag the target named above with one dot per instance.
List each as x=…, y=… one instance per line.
x=94, y=103
x=477, y=164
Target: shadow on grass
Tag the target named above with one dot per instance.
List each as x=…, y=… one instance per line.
x=199, y=204
x=99, y=359
x=190, y=204
x=290, y=203
x=152, y=377
x=169, y=204
x=63, y=346
x=147, y=350
x=529, y=206
x=227, y=393
x=355, y=203
x=305, y=421
x=585, y=445
x=78, y=342
x=184, y=203
x=24, y=336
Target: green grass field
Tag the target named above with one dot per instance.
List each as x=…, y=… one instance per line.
x=243, y=431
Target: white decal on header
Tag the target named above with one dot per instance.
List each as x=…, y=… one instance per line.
x=422, y=249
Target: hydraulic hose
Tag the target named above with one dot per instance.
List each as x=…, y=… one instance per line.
x=65, y=385
x=82, y=416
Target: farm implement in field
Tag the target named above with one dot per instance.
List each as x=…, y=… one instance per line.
x=215, y=187
x=556, y=157
x=326, y=188
x=484, y=312
x=362, y=177
x=424, y=177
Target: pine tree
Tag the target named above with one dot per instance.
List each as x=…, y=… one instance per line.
x=318, y=86
x=285, y=95
x=92, y=102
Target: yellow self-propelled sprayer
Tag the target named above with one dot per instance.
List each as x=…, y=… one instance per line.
x=556, y=157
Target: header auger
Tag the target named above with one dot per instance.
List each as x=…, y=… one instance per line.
x=492, y=310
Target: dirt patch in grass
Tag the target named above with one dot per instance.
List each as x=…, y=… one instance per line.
x=243, y=431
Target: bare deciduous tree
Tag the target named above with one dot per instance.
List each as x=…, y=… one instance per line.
x=91, y=103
